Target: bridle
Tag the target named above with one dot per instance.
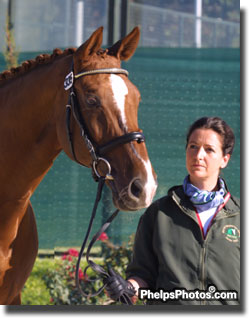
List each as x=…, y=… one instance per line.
x=97, y=154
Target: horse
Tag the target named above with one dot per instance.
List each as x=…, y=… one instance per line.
x=35, y=127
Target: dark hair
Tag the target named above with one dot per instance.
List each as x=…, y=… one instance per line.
x=219, y=126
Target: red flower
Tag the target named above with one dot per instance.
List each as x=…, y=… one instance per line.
x=103, y=236
x=80, y=274
x=73, y=252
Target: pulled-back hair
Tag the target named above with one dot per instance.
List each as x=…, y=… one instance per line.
x=219, y=126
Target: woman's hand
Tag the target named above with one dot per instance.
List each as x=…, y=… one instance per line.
x=137, y=283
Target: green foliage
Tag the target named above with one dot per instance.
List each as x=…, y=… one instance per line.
x=61, y=283
x=118, y=257
x=35, y=291
x=52, y=281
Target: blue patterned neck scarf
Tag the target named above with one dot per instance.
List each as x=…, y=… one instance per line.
x=202, y=199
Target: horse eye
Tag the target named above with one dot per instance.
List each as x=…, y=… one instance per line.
x=93, y=101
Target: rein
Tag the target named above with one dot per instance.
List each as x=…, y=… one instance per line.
x=97, y=155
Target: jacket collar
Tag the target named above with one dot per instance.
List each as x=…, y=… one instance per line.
x=177, y=193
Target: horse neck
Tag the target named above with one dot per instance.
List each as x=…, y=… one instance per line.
x=27, y=121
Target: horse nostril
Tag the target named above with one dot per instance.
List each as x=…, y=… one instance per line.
x=136, y=188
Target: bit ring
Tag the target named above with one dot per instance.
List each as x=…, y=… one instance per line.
x=108, y=174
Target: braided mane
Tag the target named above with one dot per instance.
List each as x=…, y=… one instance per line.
x=31, y=64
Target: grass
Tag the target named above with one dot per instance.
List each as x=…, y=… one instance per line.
x=35, y=291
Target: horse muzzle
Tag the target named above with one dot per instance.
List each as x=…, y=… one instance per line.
x=137, y=195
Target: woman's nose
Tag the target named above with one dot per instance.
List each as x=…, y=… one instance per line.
x=200, y=153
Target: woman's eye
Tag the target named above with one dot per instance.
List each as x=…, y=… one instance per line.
x=93, y=101
x=192, y=146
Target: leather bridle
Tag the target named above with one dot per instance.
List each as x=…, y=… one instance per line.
x=97, y=154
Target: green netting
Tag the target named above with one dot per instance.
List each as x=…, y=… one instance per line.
x=177, y=87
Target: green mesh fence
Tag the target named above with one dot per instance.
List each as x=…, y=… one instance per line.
x=177, y=87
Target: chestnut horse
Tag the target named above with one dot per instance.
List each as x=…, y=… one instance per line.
x=33, y=132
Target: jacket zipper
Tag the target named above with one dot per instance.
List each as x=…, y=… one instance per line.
x=203, y=253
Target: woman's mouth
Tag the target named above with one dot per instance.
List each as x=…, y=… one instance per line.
x=197, y=165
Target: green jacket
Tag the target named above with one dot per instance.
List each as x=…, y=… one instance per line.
x=170, y=251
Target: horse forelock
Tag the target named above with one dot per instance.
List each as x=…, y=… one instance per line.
x=28, y=65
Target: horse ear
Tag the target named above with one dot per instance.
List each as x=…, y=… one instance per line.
x=125, y=48
x=92, y=45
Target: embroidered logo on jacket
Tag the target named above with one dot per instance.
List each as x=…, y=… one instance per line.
x=231, y=232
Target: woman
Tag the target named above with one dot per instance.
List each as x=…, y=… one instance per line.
x=189, y=239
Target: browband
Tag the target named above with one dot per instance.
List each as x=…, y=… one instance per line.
x=69, y=79
x=108, y=70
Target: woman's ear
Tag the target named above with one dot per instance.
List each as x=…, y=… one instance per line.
x=225, y=160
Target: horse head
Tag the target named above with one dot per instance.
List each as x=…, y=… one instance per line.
x=108, y=105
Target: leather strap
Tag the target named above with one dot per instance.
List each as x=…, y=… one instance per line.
x=73, y=106
x=124, y=292
x=107, y=277
x=92, y=264
x=126, y=138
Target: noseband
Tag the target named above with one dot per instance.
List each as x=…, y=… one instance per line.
x=96, y=152
x=97, y=155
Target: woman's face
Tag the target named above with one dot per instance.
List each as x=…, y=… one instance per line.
x=204, y=157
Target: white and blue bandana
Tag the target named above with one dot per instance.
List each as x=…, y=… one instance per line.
x=202, y=199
